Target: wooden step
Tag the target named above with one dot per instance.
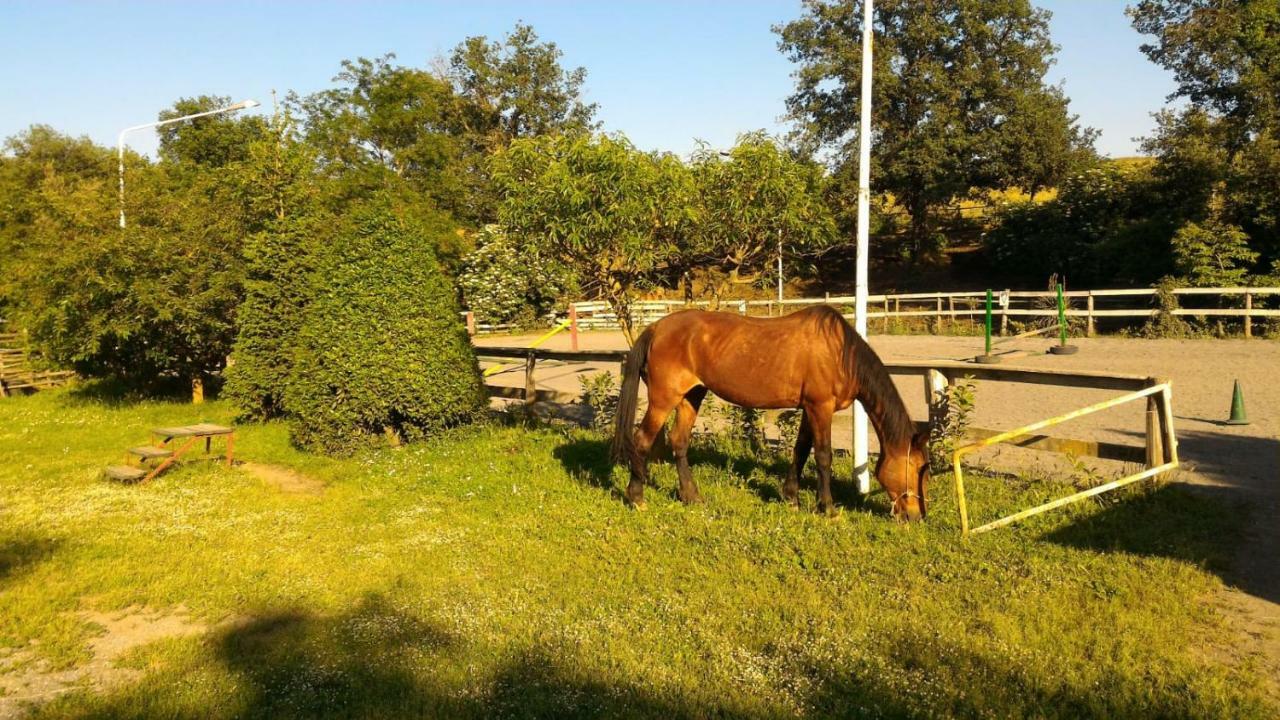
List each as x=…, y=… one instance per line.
x=124, y=473
x=150, y=452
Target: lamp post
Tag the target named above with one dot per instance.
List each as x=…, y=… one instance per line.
x=861, y=475
x=244, y=105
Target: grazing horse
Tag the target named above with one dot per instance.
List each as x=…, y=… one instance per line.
x=812, y=359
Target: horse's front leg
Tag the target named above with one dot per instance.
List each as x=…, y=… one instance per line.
x=804, y=443
x=819, y=421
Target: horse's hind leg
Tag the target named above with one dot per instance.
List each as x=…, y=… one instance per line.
x=804, y=443
x=819, y=421
x=686, y=416
x=660, y=405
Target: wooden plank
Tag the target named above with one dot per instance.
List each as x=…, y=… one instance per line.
x=517, y=393
x=566, y=355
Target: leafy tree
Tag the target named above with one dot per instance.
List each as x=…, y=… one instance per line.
x=382, y=350
x=212, y=141
x=612, y=214
x=959, y=99
x=1225, y=56
x=504, y=283
x=1212, y=255
x=286, y=222
x=759, y=196
x=156, y=300
x=386, y=124
x=517, y=88
x=1220, y=153
x=30, y=159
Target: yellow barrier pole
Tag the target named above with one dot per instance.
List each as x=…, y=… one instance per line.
x=1165, y=392
x=545, y=337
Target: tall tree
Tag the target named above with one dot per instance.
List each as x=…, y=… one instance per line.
x=612, y=214
x=953, y=82
x=212, y=141
x=1224, y=55
x=286, y=224
x=1219, y=154
x=749, y=202
x=517, y=88
x=385, y=124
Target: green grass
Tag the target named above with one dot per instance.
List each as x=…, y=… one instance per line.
x=495, y=572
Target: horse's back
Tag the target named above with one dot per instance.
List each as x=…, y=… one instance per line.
x=757, y=362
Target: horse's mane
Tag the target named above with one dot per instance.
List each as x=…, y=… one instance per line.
x=875, y=387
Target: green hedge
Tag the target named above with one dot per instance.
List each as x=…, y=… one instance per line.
x=382, y=348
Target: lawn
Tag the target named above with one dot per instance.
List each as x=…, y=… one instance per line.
x=495, y=572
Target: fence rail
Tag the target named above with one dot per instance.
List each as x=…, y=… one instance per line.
x=936, y=375
x=1090, y=305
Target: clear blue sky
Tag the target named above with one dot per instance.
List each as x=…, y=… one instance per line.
x=662, y=72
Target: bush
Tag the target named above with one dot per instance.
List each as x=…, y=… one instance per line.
x=382, y=350
x=506, y=284
x=600, y=393
x=277, y=289
x=1213, y=254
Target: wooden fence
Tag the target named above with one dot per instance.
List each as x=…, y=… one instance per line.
x=17, y=373
x=948, y=309
x=936, y=376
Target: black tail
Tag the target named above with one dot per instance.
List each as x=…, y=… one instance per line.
x=625, y=418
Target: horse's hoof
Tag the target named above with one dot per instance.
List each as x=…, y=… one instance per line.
x=692, y=500
x=637, y=504
x=827, y=510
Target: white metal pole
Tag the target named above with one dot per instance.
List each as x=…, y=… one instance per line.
x=779, y=270
x=860, y=456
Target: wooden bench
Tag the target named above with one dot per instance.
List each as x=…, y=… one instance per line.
x=169, y=454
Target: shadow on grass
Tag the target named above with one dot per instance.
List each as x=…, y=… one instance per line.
x=381, y=662
x=1200, y=526
x=587, y=459
x=113, y=392
x=1227, y=527
x=20, y=554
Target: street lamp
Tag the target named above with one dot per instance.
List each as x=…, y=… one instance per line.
x=244, y=105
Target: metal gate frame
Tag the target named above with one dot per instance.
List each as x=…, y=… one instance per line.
x=1168, y=443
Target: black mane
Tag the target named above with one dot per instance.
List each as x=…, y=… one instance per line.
x=876, y=390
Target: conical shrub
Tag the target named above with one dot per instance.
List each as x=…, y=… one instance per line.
x=382, y=351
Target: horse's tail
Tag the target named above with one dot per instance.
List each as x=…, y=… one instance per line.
x=625, y=417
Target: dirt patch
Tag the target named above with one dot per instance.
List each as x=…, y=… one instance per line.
x=25, y=680
x=284, y=479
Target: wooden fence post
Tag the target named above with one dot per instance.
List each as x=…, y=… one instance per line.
x=1248, y=315
x=1155, y=448
x=530, y=389
x=886, y=315
x=471, y=323
x=573, y=327
x=1088, y=327
x=951, y=305
x=937, y=324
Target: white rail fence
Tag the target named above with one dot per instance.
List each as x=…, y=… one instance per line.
x=1243, y=303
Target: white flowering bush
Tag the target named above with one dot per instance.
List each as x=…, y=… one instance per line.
x=503, y=283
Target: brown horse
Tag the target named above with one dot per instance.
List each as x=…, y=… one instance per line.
x=812, y=359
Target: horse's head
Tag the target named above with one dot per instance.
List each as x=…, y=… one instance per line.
x=904, y=475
